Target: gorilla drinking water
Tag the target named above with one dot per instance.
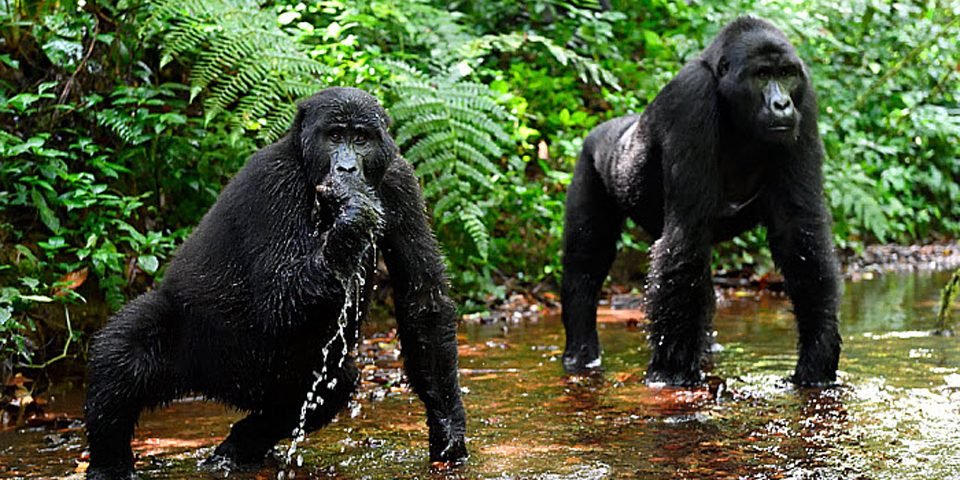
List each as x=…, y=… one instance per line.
x=258, y=290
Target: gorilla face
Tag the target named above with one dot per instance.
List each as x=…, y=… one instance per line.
x=343, y=131
x=778, y=81
x=763, y=82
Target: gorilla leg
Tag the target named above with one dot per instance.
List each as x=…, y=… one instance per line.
x=591, y=228
x=126, y=375
x=252, y=437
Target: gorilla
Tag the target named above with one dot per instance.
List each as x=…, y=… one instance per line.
x=729, y=143
x=259, y=289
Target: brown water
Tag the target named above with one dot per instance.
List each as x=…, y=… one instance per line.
x=897, y=415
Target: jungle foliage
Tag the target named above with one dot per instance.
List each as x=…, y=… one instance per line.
x=121, y=121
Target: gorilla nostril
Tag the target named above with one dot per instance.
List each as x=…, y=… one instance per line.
x=347, y=168
x=782, y=104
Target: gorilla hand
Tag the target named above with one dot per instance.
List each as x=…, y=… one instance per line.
x=357, y=224
x=360, y=211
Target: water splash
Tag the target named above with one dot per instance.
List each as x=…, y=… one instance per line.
x=353, y=292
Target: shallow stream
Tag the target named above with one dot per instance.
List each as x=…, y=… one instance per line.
x=896, y=416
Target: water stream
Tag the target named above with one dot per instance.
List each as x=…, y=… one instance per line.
x=896, y=416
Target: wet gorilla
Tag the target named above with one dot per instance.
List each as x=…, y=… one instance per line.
x=729, y=143
x=256, y=291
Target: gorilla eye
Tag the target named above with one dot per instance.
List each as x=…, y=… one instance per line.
x=362, y=138
x=336, y=136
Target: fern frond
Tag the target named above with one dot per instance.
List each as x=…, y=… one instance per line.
x=466, y=170
x=449, y=185
x=435, y=166
x=120, y=124
x=450, y=129
x=483, y=140
x=472, y=218
x=241, y=59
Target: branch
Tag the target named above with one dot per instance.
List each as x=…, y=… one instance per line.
x=66, y=347
x=93, y=42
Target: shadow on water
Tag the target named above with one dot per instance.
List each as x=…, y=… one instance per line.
x=896, y=416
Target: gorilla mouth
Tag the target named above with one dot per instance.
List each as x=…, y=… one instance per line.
x=780, y=128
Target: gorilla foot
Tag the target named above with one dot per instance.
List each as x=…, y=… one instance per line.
x=662, y=377
x=228, y=457
x=111, y=473
x=583, y=359
x=453, y=454
x=222, y=463
x=807, y=378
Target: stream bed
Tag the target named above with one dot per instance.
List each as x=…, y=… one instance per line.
x=896, y=414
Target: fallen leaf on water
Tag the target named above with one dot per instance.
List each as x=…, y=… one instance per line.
x=81, y=467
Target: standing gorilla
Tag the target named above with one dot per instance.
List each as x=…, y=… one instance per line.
x=729, y=143
x=256, y=291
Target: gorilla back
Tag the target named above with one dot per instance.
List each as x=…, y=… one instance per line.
x=729, y=143
x=258, y=288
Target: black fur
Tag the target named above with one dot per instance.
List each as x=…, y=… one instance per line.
x=255, y=292
x=729, y=143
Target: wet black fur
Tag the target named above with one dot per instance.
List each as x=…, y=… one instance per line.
x=255, y=292
x=692, y=171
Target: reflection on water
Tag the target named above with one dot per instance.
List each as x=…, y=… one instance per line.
x=896, y=416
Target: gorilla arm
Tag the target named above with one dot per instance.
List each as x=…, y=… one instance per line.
x=679, y=290
x=798, y=223
x=426, y=316
x=305, y=270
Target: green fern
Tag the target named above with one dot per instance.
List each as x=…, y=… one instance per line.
x=241, y=59
x=122, y=125
x=853, y=194
x=450, y=130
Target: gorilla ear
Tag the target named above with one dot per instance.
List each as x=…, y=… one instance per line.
x=723, y=66
x=296, y=128
x=297, y=125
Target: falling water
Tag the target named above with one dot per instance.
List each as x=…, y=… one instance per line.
x=353, y=290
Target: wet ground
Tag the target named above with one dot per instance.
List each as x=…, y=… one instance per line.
x=896, y=416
